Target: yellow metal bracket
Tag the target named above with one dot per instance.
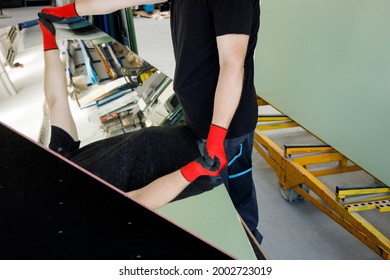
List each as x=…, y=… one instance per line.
x=364, y=197
x=383, y=205
x=275, y=122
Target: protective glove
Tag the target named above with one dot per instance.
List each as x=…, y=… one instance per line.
x=214, y=145
x=55, y=14
x=48, y=34
x=202, y=166
x=214, y=159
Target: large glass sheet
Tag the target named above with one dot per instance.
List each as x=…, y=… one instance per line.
x=131, y=94
x=326, y=64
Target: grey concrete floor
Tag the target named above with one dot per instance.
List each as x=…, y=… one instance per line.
x=292, y=231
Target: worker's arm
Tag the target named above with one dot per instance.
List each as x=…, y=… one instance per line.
x=160, y=191
x=166, y=188
x=56, y=94
x=232, y=50
x=89, y=7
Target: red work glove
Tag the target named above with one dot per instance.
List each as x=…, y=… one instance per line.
x=55, y=14
x=214, y=159
x=48, y=34
x=200, y=167
x=214, y=145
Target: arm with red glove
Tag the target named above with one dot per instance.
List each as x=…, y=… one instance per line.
x=89, y=7
x=164, y=189
x=56, y=93
x=232, y=50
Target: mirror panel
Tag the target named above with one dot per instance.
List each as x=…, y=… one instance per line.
x=112, y=92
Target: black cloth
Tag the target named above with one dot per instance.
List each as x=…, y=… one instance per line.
x=195, y=24
x=133, y=160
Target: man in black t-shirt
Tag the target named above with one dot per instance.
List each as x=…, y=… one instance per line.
x=214, y=42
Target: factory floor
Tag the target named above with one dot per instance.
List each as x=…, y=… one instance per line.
x=292, y=231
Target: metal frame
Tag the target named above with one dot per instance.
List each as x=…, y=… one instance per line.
x=291, y=166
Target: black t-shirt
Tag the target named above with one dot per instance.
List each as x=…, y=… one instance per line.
x=133, y=160
x=195, y=24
